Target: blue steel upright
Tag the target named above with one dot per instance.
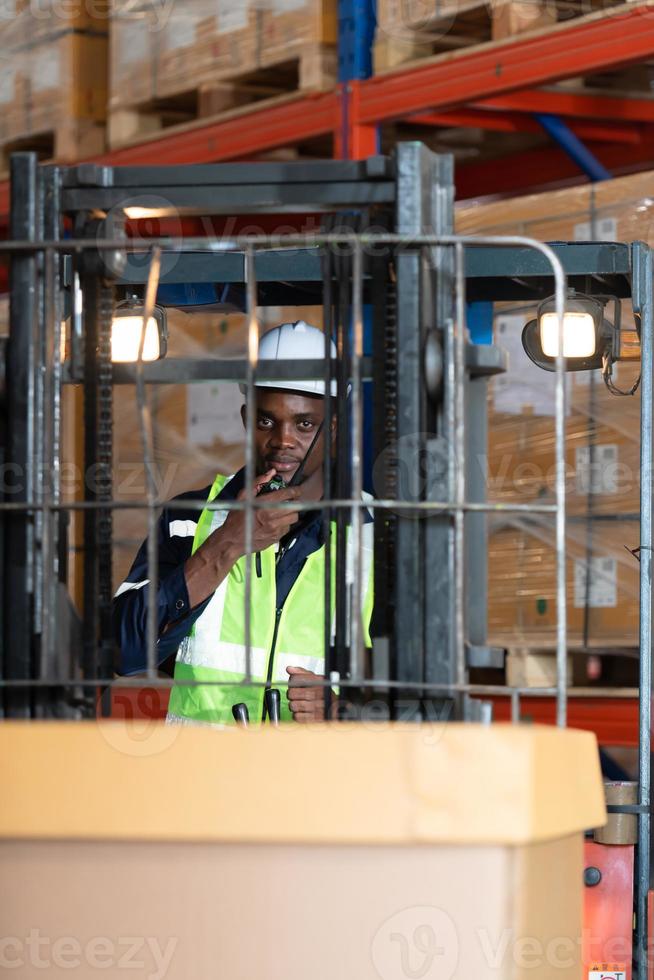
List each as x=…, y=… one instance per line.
x=356, y=32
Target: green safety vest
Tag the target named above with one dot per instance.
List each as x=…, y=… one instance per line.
x=294, y=636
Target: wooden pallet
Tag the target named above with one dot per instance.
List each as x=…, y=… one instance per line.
x=531, y=667
x=72, y=140
x=55, y=97
x=408, y=30
x=313, y=69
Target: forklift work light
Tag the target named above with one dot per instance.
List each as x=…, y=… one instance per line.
x=126, y=334
x=587, y=337
x=590, y=341
x=578, y=334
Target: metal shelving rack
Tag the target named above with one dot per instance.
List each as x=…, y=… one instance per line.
x=498, y=85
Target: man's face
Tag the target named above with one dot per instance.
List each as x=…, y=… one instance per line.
x=285, y=426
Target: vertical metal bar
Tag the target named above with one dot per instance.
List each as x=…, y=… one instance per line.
x=561, y=597
x=327, y=270
x=98, y=646
x=54, y=656
x=356, y=661
x=414, y=197
x=343, y=482
x=90, y=307
x=147, y=443
x=442, y=457
x=36, y=473
x=459, y=469
x=642, y=302
x=251, y=407
x=77, y=325
x=384, y=419
x=476, y=524
x=19, y=529
x=104, y=487
x=50, y=468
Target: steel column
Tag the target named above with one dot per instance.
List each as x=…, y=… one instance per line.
x=643, y=304
x=413, y=216
x=424, y=547
x=476, y=524
x=97, y=315
x=354, y=140
x=54, y=655
x=445, y=423
x=19, y=481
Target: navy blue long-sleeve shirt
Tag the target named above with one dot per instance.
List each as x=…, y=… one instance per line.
x=175, y=531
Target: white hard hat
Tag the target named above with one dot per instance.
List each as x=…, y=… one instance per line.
x=294, y=342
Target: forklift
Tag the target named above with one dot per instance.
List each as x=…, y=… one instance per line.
x=394, y=284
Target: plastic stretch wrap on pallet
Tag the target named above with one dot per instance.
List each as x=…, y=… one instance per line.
x=602, y=442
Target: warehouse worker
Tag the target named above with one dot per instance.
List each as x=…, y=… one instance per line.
x=201, y=567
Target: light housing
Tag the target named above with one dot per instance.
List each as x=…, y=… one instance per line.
x=587, y=336
x=126, y=333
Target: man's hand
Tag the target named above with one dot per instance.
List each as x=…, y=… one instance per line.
x=306, y=695
x=269, y=526
x=211, y=563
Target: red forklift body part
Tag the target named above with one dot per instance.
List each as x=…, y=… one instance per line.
x=608, y=911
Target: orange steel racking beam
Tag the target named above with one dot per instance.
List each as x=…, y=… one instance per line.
x=242, y=134
x=560, y=103
x=534, y=169
x=520, y=122
x=600, y=41
x=614, y=720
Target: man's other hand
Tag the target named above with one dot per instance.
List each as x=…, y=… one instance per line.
x=306, y=695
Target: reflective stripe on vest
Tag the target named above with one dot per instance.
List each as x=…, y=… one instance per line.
x=215, y=648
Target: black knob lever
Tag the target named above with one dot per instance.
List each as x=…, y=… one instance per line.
x=273, y=704
x=241, y=714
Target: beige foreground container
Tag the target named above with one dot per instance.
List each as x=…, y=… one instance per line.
x=350, y=851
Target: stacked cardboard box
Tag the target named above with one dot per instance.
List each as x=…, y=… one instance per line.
x=601, y=451
x=174, y=63
x=53, y=78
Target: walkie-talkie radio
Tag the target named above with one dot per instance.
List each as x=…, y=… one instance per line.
x=277, y=483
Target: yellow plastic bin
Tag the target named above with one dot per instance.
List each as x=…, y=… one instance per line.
x=340, y=852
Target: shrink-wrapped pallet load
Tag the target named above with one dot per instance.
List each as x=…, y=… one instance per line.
x=602, y=448
x=179, y=62
x=53, y=79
